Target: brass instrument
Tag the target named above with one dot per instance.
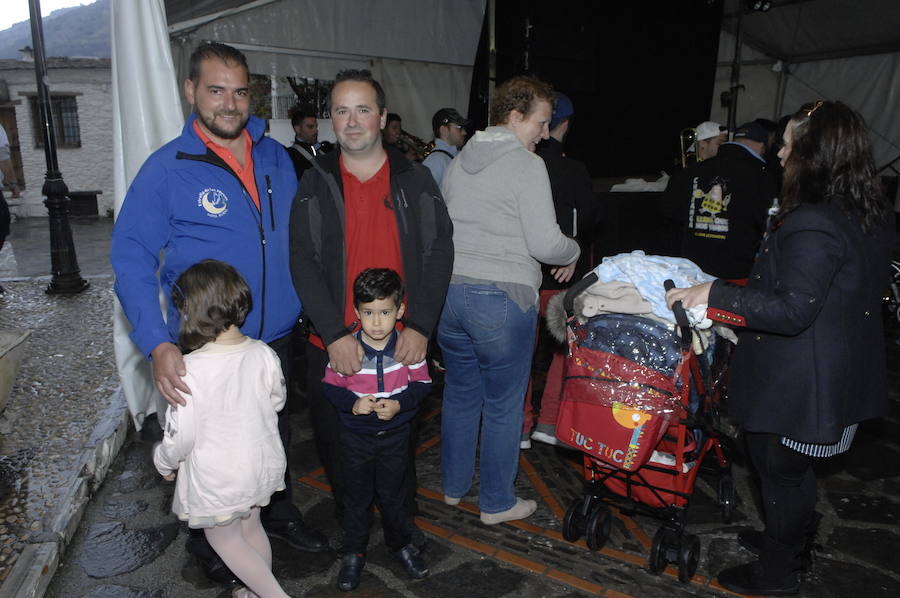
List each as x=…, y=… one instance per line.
x=686, y=138
x=412, y=146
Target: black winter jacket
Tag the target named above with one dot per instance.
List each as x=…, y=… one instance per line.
x=318, y=251
x=571, y=186
x=722, y=237
x=811, y=360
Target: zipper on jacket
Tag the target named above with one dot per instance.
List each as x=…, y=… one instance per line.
x=269, y=193
x=402, y=212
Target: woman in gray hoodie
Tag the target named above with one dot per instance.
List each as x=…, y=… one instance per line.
x=498, y=196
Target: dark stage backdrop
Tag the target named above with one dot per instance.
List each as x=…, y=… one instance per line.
x=637, y=72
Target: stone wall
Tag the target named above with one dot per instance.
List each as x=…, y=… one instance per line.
x=87, y=168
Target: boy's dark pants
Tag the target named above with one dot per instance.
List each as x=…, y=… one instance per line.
x=374, y=468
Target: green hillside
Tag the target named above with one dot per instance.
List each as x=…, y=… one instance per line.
x=74, y=31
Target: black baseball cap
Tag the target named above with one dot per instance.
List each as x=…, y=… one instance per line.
x=447, y=116
x=753, y=131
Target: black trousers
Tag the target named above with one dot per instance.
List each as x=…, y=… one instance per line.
x=788, y=488
x=281, y=508
x=327, y=430
x=375, y=467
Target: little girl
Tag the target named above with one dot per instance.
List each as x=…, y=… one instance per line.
x=225, y=439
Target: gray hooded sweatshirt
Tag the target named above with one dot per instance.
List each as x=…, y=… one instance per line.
x=499, y=199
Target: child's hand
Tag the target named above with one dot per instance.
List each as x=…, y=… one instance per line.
x=364, y=405
x=386, y=409
x=170, y=477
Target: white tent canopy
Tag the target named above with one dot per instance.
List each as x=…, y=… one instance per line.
x=804, y=50
x=422, y=52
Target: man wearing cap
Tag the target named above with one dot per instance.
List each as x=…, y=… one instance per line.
x=449, y=135
x=710, y=135
x=725, y=201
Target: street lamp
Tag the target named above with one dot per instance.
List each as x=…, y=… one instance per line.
x=66, y=277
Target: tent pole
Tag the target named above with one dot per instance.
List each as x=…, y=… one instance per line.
x=780, y=92
x=492, y=52
x=735, y=78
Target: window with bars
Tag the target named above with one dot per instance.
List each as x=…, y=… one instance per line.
x=65, y=121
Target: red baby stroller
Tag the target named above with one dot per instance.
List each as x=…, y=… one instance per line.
x=636, y=403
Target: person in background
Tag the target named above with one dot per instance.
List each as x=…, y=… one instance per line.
x=499, y=198
x=306, y=139
x=7, y=172
x=707, y=140
x=810, y=363
x=450, y=133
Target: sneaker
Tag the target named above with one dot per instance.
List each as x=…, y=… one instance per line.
x=522, y=509
x=545, y=433
x=450, y=500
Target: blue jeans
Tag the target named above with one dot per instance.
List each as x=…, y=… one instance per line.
x=487, y=343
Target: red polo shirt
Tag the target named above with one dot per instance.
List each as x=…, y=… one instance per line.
x=370, y=232
x=245, y=172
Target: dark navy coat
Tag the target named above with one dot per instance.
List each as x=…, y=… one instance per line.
x=811, y=359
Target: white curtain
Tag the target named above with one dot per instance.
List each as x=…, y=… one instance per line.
x=146, y=115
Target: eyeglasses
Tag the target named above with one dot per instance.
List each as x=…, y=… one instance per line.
x=814, y=108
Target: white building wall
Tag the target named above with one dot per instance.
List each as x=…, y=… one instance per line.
x=88, y=168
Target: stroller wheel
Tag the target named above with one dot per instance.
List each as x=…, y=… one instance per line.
x=688, y=557
x=573, y=523
x=727, y=498
x=658, y=549
x=598, y=528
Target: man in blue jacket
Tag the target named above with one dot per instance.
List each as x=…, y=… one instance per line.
x=222, y=190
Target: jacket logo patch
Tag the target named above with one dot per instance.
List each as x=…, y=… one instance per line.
x=214, y=201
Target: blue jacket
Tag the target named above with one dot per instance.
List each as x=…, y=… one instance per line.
x=186, y=202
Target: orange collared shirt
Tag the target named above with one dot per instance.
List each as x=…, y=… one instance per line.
x=245, y=172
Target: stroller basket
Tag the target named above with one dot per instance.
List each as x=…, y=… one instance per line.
x=616, y=410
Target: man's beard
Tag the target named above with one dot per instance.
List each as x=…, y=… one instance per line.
x=219, y=131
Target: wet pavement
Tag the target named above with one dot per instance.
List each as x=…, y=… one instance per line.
x=64, y=391
x=129, y=545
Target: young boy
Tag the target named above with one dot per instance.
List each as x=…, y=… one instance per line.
x=376, y=406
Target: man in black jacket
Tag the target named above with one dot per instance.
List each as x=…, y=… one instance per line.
x=364, y=206
x=722, y=205
x=306, y=140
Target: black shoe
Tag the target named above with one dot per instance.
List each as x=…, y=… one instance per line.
x=753, y=579
x=298, y=536
x=351, y=568
x=217, y=571
x=751, y=539
x=412, y=563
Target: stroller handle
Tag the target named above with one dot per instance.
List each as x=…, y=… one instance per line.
x=575, y=290
x=680, y=317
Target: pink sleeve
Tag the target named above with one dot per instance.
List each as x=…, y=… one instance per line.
x=418, y=372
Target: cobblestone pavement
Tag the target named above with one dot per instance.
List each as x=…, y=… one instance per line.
x=64, y=388
x=128, y=544
x=859, y=537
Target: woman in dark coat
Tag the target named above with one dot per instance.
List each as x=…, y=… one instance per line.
x=810, y=362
